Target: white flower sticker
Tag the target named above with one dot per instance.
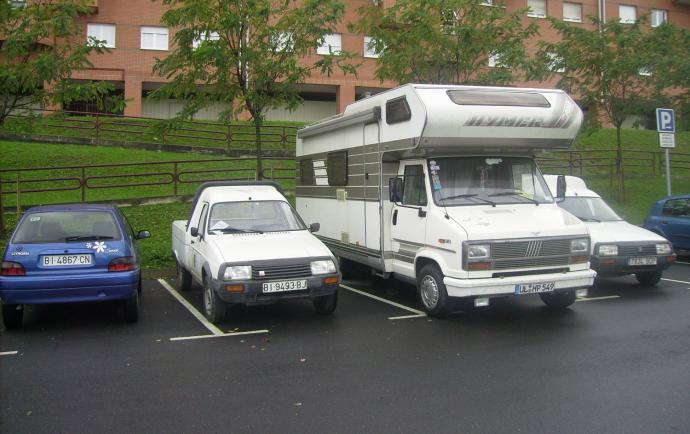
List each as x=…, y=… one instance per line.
x=99, y=246
x=88, y=245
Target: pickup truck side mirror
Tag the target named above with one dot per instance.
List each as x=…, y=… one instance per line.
x=395, y=189
x=560, y=187
x=143, y=235
x=194, y=232
x=314, y=227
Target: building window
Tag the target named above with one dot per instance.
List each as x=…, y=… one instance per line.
x=397, y=110
x=556, y=63
x=154, y=38
x=658, y=17
x=414, y=190
x=370, y=48
x=104, y=33
x=332, y=44
x=306, y=172
x=487, y=2
x=572, y=12
x=495, y=61
x=336, y=165
x=627, y=14
x=645, y=72
x=537, y=8
x=208, y=36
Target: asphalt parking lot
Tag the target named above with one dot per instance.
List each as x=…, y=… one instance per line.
x=617, y=361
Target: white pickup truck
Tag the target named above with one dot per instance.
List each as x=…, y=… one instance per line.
x=618, y=247
x=245, y=244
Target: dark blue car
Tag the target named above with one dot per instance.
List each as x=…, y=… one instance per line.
x=670, y=218
x=70, y=253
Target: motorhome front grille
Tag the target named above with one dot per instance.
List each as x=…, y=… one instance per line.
x=531, y=262
x=530, y=249
x=265, y=272
x=634, y=250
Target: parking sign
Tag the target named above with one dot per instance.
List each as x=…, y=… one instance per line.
x=665, y=121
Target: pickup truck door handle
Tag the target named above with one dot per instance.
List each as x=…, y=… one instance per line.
x=395, y=217
x=191, y=242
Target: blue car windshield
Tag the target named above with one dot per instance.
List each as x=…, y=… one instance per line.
x=66, y=226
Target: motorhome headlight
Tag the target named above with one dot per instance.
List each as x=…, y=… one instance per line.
x=478, y=251
x=663, y=249
x=322, y=267
x=580, y=245
x=608, y=250
x=238, y=272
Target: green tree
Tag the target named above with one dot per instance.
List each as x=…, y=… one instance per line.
x=449, y=41
x=41, y=45
x=615, y=69
x=249, y=54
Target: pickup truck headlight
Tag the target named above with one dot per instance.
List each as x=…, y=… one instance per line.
x=608, y=250
x=663, y=249
x=238, y=272
x=478, y=251
x=580, y=245
x=322, y=267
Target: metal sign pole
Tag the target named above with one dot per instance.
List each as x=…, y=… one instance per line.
x=668, y=175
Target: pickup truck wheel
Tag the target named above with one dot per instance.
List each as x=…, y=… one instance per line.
x=558, y=300
x=184, y=278
x=131, y=306
x=325, y=305
x=432, y=291
x=649, y=279
x=214, y=308
x=12, y=315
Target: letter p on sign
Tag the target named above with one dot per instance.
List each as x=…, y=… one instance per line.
x=665, y=121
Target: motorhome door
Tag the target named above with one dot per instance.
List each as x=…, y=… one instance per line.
x=408, y=219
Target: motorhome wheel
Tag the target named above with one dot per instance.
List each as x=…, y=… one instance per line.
x=432, y=291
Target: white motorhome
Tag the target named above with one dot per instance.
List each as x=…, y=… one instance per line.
x=437, y=185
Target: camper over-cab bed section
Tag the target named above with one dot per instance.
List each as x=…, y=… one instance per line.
x=425, y=117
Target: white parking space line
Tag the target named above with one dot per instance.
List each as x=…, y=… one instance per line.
x=676, y=281
x=224, y=335
x=681, y=262
x=8, y=353
x=213, y=329
x=417, y=313
x=607, y=297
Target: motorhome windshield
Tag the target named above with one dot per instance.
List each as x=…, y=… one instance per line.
x=464, y=181
x=590, y=209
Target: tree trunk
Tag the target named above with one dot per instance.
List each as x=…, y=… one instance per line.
x=619, y=165
x=259, y=163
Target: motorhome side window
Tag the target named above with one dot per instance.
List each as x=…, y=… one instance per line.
x=397, y=110
x=336, y=164
x=306, y=172
x=414, y=192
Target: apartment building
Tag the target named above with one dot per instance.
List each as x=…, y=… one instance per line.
x=133, y=31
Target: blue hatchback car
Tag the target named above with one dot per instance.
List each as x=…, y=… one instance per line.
x=70, y=253
x=670, y=218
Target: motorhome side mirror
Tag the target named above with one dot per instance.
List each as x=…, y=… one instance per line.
x=194, y=232
x=143, y=235
x=395, y=189
x=314, y=227
x=560, y=187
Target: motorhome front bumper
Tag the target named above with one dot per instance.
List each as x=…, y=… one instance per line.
x=507, y=285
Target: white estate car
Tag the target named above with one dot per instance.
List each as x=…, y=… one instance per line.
x=245, y=244
x=618, y=247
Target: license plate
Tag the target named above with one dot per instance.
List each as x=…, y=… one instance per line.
x=286, y=285
x=533, y=288
x=66, y=260
x=642, y=260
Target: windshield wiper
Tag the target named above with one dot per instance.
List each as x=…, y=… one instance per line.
x=89, y=238
x=515, y=193
x=469, y=196
x=244, y=231
x=589, y=219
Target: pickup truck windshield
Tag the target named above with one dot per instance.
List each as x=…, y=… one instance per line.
x=464, y=181
x=590, y=209
x=254, y=216
x=67, y=226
